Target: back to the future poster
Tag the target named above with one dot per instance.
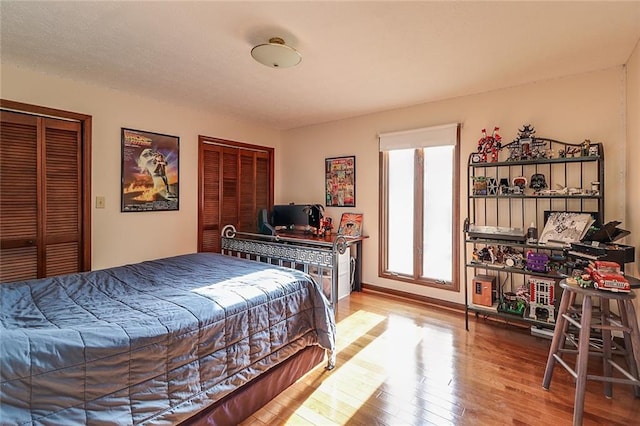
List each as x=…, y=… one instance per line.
x=149, y=171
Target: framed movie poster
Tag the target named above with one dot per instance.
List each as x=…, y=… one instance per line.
x=340, y=181
x=149, y=180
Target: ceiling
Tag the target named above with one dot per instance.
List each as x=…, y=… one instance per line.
x=358, y=57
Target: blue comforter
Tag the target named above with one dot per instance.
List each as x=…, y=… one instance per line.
x=153, y=342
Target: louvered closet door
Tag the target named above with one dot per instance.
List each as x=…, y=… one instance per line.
x=18, y=197
x=209, y=209
x=230, y=187
x=263, y=183
x=61, y=201
x=234, y=184
x=40, y=202
x=254, y=188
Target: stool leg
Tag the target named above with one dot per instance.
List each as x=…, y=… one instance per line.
x=558, y=337
x=605, y=316
x=633, y=347
x=583, y=360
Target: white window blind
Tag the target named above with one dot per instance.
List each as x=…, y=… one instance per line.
x=443, y=135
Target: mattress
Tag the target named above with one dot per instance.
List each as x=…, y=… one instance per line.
x=153, y=342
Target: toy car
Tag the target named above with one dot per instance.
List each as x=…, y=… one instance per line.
x=606, y=276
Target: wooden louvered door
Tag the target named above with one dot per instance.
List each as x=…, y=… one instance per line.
x=209, y=198
x=62, y=188
x=229, y=174
x=235, y=182
x=255, y=188
x=41, y=197
x=19, y=234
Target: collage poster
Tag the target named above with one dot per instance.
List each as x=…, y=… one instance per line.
x=340, y=177
x=149, y=171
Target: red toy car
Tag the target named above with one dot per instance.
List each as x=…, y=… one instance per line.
x=606, y=276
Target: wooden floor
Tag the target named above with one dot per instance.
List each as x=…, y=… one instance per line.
x=404, y=363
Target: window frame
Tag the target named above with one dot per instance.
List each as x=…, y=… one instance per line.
x=416, y=277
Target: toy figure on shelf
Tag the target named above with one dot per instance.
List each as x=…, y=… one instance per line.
x=538, y=149
x=541, y=299
x=514, y=152
x=479, y=185
x=512, y=304
x=527, y=132
x=523, y=146
x=326, y=225
x=496, y=136
x=538, y=182
x=572, y=151
x=489, y=146
x=537, y=262
x=486, y=255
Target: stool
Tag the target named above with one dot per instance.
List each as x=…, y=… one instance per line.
x=586, y=319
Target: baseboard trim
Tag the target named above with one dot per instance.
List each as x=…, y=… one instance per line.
x=417, y=298
x=438, y=304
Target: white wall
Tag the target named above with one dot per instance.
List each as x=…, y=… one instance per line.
x=586, y=106
x=573, y=108
x=633, y=159
x=633, y=154
x=119, y=238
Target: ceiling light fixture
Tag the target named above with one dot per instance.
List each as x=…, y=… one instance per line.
x=276, y=54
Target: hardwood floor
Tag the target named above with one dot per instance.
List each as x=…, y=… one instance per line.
x=405, y=363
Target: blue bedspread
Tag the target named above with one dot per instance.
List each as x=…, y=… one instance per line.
x=153, y=342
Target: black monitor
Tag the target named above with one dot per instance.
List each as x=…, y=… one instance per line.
x=295, y=215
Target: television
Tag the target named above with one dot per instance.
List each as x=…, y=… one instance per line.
x=292, y=216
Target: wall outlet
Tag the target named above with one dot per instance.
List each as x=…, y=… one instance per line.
x=100, y=202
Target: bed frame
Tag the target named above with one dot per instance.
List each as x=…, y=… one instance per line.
x=315, y=258
x=243, y=402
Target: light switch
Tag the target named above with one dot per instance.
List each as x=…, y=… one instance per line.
x=100, y=201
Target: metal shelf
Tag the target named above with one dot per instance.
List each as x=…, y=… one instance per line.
x=492, y=311
x=582, y=159
x=517, y=211
x=542, y=196
x=491, y=267
x=496, y=242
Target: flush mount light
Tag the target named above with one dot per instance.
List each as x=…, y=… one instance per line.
x=276, y=54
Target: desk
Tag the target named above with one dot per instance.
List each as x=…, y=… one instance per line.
x=330, y=238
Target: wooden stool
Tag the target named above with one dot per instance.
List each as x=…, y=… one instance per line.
x=625, y=322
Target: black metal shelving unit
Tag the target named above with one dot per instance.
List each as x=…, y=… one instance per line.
x=575, y=183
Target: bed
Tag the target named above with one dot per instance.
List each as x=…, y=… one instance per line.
x=176, y=340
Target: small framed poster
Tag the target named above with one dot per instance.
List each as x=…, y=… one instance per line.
x=350, y=225
x=340, y=181
x=149, y=179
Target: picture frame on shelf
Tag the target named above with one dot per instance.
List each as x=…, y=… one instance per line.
x=565, y=227
x=350, y=225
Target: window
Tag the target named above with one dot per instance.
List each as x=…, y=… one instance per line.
x=419, y=214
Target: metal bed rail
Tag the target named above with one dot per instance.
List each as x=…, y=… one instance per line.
x=317, y=258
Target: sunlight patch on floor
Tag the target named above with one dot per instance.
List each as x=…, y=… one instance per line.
x=412, y=359
x=354, y=326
